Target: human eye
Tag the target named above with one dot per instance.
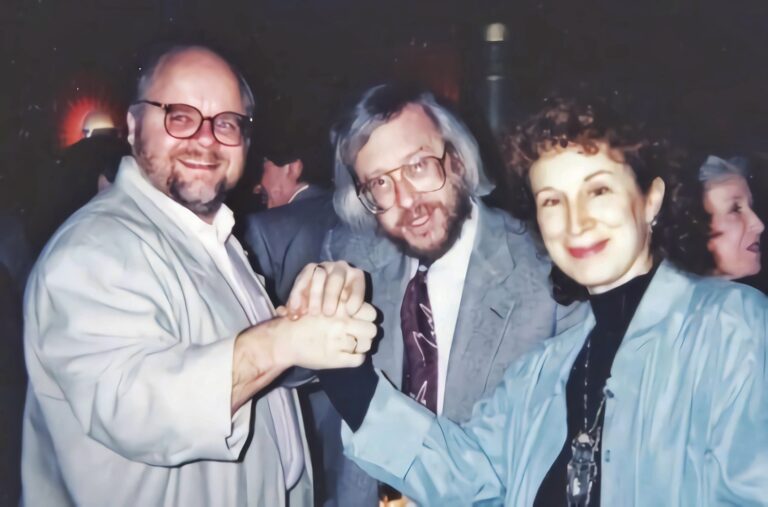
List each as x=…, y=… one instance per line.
x=600, y=190
x=549, y=202
x=736, y=208
x=227, y=123
x=418, y=168
x=180, y=117
x=378, y=183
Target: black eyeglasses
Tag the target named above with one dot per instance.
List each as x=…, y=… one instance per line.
x=423, y=176
x=183, y=121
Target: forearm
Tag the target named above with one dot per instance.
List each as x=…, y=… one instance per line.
x=257, y=361
x=430, y=459
x=263, y=352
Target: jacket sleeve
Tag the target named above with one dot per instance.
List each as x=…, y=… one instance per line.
x=103, y=336
x=431, y=459
x=737, y=460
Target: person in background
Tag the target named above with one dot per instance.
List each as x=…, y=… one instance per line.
x=283, y=177
x=15, y=261
x=660, y=397
x=718, y=227
x=81, y=171
x=282, y=239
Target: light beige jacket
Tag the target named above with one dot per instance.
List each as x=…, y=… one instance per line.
x=129, y=338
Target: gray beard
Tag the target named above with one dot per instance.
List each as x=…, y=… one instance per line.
x=199, y=208
x=176, y=187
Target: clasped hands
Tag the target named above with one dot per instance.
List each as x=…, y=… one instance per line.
x=332, y=325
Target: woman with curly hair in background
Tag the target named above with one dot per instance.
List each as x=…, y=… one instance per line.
x=659, y=398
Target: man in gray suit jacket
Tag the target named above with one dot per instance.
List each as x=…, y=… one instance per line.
x=408, y=180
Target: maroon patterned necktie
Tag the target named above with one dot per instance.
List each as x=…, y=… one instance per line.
x=420, y=344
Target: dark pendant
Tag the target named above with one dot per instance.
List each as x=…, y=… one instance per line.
x=582, y=470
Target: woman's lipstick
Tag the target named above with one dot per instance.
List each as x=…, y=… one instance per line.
x=580, y=253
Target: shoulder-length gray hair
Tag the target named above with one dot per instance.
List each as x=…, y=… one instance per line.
x=379, y=105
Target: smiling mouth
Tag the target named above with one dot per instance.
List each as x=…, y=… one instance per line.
x=581, y=253
x=204, y=166
x=754, y=247
x=419, y=225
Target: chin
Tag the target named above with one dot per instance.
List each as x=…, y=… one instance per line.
x=593, y=278
x=748, y=272
x=431, y=250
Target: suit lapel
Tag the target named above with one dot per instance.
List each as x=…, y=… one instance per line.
x=190, y=252
x=389, y=284
x=487, y=303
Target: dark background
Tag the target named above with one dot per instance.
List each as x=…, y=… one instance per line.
x=698, y=65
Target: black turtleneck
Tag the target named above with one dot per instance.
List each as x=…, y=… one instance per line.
x=613, y=312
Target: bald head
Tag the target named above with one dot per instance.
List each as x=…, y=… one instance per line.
x=192, y=53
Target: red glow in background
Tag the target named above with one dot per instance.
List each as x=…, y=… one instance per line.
x=85, y=96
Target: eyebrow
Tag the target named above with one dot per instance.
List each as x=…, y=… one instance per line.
x=381, y=171
x=597, y=173
x=589, y=177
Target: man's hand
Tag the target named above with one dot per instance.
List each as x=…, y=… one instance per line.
x=320, y=342
x=316, y=342
x=324, y=288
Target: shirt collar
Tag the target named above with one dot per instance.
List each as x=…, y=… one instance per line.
x=130, y=173
x=298, y=191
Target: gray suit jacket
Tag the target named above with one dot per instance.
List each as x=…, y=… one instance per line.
x=281, y=241
x=506, y=308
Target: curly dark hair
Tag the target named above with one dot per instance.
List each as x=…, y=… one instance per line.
x=685, y=224
x=588, y=124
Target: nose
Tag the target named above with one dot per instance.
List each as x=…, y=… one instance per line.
x=755, y=224
x=204, y=135
x=579, y=218
x=403, y=193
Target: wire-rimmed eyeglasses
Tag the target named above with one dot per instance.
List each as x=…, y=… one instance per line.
x=425, y=175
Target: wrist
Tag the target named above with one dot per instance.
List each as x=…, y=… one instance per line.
x=281, y=343
x=255, y=353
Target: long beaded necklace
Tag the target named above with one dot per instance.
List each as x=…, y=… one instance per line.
x=582, y=467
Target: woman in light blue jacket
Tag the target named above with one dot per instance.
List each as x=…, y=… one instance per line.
x=659, y=398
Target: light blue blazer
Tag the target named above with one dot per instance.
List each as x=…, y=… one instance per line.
x=686, y=414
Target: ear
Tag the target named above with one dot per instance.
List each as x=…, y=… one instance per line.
x=295, y=169
x=130, y=120
x=456, y=164
x=654, y=199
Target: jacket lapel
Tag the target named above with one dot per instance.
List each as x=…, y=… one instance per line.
x=487, y=304
x=389, y=284
x=190, y=252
